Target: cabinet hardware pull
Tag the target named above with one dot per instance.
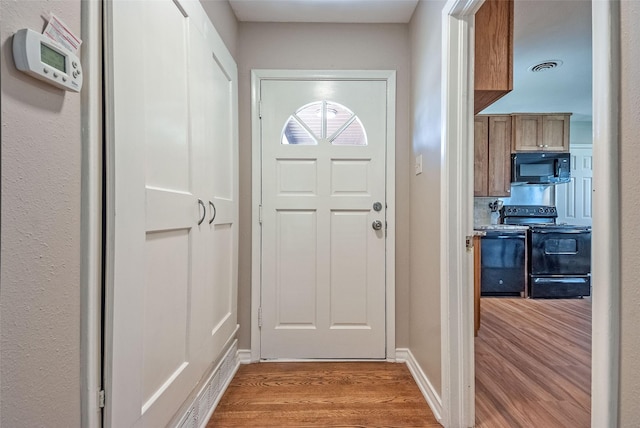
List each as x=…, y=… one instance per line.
x=214, y=212
x=204, y=211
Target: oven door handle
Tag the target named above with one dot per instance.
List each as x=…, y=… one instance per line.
x=565, y=231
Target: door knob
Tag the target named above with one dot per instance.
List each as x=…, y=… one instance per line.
x=377, y=225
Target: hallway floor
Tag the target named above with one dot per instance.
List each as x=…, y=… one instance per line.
x=533, y=363
x=351, y=394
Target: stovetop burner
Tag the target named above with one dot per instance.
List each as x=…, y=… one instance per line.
x=528, y=214
x=545, y=211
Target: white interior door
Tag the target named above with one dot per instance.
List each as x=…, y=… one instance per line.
x=574, y=199
x=323, y=261
x=172, y=125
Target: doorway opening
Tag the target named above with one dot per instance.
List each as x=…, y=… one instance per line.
x=457, y=349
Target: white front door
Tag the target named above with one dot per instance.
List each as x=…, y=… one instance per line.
x=323, y=218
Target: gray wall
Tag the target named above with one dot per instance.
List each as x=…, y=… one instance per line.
x=426, y=133
x=629, y=209
x=326, y=47
x=40, y=300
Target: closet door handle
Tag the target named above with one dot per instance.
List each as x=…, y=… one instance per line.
x=204, y=211
x=214, y=212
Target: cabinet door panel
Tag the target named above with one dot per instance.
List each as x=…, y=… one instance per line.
x=499, y=156
x=481, y=156
x=555, y=133
x=527, y=133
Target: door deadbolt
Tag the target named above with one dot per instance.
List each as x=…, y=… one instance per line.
x=377, y=206
x=377, y=225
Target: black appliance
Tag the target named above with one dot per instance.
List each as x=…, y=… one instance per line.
x=559, y=255
x=541, y=168
x=503, y=261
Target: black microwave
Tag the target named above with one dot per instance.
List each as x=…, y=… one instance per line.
x=541, y=168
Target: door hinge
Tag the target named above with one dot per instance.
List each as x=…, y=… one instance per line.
x=260, y=214
x=260, y=109
x=101, y=399
x=260, y=316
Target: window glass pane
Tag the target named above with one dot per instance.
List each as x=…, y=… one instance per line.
x=352, y=135
x=324, y=121
x=311, y=115
x=337, y=116
x=294, y=133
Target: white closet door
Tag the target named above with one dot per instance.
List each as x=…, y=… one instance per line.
x=574, y=199
x=214, y=130
x=172, y=304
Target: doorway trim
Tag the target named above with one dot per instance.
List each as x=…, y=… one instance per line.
x=92, y=220
x=458, y=386
x=456, y=269
x=605, y=340
x=257, y=76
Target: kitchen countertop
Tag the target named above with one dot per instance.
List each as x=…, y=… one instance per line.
x=500, y=227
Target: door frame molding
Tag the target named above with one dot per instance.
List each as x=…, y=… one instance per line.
x=257, y=76
x=456, y=263
x=92, y=220
x=458, y=386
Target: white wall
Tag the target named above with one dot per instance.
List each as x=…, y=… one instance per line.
x=426, y=51
x=629, y=214
x=326, y=47
x=581, y=132
x=225, y=22
x=40, y=300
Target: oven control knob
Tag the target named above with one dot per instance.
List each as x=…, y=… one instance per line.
x=541, y=210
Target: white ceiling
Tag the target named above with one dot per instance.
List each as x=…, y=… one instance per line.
x=551, y=30
x=337, y=11
x=543, y=30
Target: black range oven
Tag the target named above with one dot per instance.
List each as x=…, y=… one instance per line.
x=559, y=255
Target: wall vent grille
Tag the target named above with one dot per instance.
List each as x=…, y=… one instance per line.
x=206, y=401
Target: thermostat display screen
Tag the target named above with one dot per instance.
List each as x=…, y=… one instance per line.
x=53, y=58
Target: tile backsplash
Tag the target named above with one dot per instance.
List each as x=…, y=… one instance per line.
x=525, y=194
x=481, y=211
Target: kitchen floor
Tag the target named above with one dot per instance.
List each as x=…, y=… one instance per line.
x=533, y=363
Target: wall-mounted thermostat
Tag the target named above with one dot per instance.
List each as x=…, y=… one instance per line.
x=44, y=59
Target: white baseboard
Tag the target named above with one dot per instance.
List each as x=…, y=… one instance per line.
x=207, y=399
x=404, y=355
x=244, y=356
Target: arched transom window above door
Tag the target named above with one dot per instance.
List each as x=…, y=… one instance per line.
x=324, y=122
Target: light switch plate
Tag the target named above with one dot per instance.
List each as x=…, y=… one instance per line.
x=418, y=165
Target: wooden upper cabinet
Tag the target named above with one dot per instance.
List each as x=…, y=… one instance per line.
x=541, y=132
x=493, y=52
x=492, y=151
x=481, y=156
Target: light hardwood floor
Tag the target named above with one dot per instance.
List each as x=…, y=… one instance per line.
x=533, y=363
x=532, y=370
x=358, y=394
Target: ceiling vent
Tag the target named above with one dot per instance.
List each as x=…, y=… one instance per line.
x=546, y=65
